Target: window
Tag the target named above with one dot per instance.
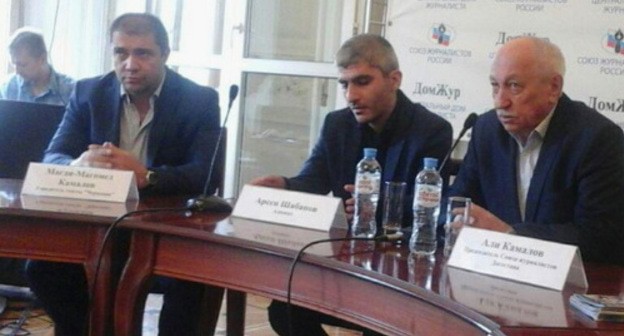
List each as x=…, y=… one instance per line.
x=5, y=30
x=285, y=71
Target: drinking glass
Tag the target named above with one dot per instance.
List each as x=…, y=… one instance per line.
x=457, y=215
x=393, y=207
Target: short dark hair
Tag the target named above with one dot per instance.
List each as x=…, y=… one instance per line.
x=370, y=48
x=29, y=40
x=141, y=24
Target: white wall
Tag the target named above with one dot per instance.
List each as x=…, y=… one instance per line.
x=452, y=79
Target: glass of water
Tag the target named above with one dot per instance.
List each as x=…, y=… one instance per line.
x=394, y=195
x=457, y=215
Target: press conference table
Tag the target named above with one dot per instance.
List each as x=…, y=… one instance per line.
x=375, y=285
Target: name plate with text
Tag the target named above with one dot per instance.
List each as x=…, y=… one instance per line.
x=509, y=300
x=84, y=183
x=528, y=260
x=288, y=207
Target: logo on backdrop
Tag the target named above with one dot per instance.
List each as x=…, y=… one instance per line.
x=504, y=37
x=438, y=90
x=615, y=42
x=607, y=105
x=441, y=98
x=441, y=34
x=612, y=64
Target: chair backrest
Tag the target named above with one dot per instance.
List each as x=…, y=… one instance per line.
x=453, y=166
x=25, y=132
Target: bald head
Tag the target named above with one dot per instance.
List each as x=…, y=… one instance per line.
x=538, y=54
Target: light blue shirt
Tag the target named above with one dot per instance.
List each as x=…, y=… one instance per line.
x=59, y=89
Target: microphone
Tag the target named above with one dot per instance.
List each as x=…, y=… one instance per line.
x=468, y=123
x=214, y=203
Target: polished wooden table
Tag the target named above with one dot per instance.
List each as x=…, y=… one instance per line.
x=64, y=231
x=379, y=286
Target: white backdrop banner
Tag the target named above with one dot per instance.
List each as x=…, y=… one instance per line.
x=445, y=48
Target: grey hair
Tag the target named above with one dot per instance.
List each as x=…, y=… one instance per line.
x=550, y=57
x=370, y=48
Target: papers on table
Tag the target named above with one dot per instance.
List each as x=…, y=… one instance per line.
x=599, y=307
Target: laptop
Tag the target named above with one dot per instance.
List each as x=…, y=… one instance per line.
x=25, y=132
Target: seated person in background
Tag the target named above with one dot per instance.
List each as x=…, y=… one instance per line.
x=542, y=165
x=145, y=118
x=34, y=80
x=379, y=116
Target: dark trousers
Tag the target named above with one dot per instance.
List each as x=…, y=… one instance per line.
x=306, y=322
x=62, y=290
x=12, y=272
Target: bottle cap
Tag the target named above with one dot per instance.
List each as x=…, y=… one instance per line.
x=431, y=163
x=370, y=152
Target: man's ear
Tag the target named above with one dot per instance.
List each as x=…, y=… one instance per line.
x=556, y=86
x=165, y=55
x=396, y=77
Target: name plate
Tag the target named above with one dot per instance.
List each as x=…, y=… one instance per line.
x=83, y=183
x=528, y=260
x=284, y=236
x=76, y=206
x=288, y=207
x=512, y=301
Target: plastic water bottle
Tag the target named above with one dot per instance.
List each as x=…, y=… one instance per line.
x=427, y=196
x=367, y=183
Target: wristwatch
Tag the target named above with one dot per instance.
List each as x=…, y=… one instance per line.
x=151, y=177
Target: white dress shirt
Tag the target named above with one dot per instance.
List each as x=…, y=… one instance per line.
x=528, y=154
x=134, y=134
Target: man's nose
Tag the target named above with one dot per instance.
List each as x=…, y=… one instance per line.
x=131, y=63
x=501, y=99
x=352, y=94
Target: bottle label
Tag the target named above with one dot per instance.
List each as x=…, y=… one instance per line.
x=366, y=184
x=428, y=196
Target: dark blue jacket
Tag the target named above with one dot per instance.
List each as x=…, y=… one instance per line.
x=420, y=133
x=181, y=140
x=576, y=194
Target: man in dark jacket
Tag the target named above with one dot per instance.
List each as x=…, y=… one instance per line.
x=146, y=119
x=379, y=116
x=542, y=165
